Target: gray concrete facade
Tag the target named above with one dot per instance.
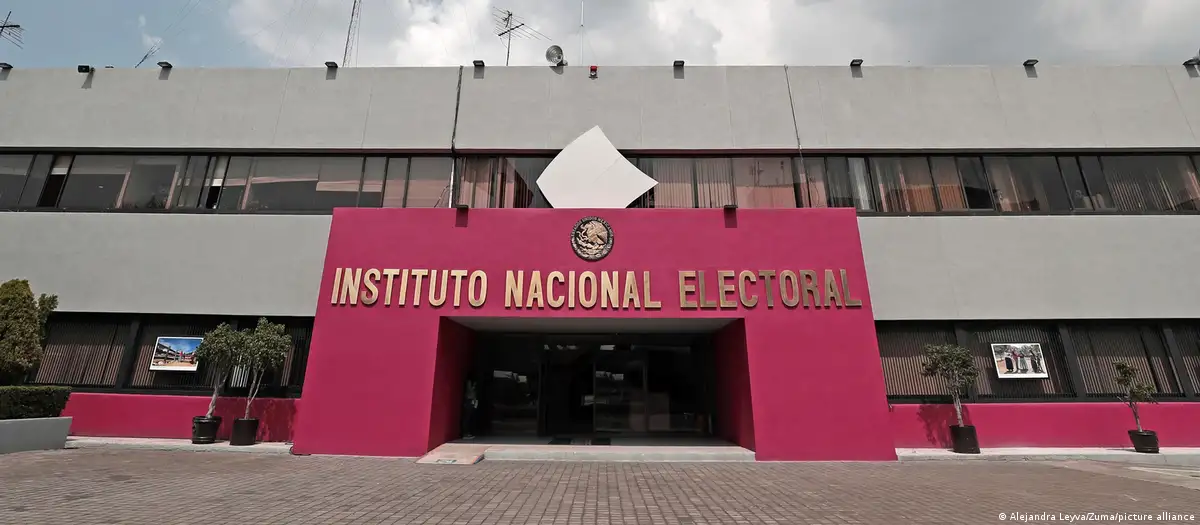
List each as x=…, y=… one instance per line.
x=936, y=268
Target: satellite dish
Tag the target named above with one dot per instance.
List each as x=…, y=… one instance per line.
x=554, y=55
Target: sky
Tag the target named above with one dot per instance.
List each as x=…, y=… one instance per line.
x=293, y=33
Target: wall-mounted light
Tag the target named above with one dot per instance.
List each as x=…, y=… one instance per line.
x=331, y=64
x=1030, y=63
x=1194, y=61
x=477, y=63
x=730, y=207
x=84, y=68
x=461, y=207
x=165, y=65
x=109, y=67
x=678, y=63
x=856, y=62
x=5, y=66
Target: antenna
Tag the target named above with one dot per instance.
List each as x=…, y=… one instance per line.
x=507, y=25
x=581, y=33
x=352, y=33
x=11, y=32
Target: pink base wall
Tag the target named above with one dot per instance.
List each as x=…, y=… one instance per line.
x=734, y=417
x=1046, y=424
x=153, y=416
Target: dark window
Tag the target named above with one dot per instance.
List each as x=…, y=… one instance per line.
x=428, y=182
x=975, y=183
x=338, y=183
x=304, y=183
x=53, y=189
x=1102, y=345
x=1076, y=188
x=763, y=182
x=1027, y=183
x=949, y=186
x=498, y=182
x=837, y=183
x=230, y=187
x=191, y=184
x=815, y=189
x=371, y=195
x=36, y=180
x=1152, y=183
x=150, y=182
x=1093, y=176
x=395, y=183
x=95, y=181
x=13, y=172
x=904, y=184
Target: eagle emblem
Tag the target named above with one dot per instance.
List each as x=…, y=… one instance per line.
x=592, y=238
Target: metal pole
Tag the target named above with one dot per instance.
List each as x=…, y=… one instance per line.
x=581, y=32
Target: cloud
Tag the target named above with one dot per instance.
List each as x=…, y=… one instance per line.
x=641, y=32
x=148, y=41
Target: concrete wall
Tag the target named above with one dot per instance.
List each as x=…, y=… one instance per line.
x=760, y=108
x=1119, y=267
x=937, y=268
x=168, y=263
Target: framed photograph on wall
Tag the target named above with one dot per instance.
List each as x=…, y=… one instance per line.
x=175, y=354
x=1019, y=361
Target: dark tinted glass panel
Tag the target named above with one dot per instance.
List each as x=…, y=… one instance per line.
x=150, y=182
x=95, y=181
x=904, y=184
x=282, y=183
x=949, y=186
x=1151, y=183
x=36, y=180
x=675, y=188
x=764, y=182
x=837, y=183
x=396, y=182
x=1097, y=186
x=714, y=182
x=860, y=184
x=371, y=195
x=814, y=187
x=191, y=184
x=518, y=176
x=1076, y=188
x=428, y=183
x=55, y=181
x=1027, y=183
x=233, y=184
x=338, y=182
x=13, y=170
x=975, y=183
x=475, y=182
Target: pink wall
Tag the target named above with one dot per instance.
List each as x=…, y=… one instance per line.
x=453, y=354
x=152, y=416
x=1046, y=424
x=735, y=418
x=370, y=383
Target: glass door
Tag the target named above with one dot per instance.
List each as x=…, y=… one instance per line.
x=619, y=391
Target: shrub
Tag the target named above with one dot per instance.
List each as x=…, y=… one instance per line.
x=22, y=328
x=24, y=402
x=955, y=366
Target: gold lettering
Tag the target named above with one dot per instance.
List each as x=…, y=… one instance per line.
x=571, y=289
x=458, y=279
x=552, y=298
x=391, y=274
x=723, y=277
x=832, y=296
x=808, y=284
x=587, y=292
x=684, y=288
x=745, y=277
x=434, y=299
x=350, y=285
x=371, y=294
x=477, y=300
x=608, y=289
x=850, y=301
x=535, y=290
x=705, y=302
x=337, y=285
x=766, y=276
x=649, y=303
x=418, y=276
x=788, y=283
x=514, y=288
x=631, y=293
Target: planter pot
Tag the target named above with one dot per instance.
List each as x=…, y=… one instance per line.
x=204, y=429
x=39, y=433
x=245, y=432
x=1145, y=441
x=964, y=438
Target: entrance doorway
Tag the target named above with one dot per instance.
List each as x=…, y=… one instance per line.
x=565, y=386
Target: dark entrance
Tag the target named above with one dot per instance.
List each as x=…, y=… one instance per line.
x=594, y=385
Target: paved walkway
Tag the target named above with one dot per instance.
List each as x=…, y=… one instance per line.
x=100, y=486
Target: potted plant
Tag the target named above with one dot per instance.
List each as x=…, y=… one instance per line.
x=266, y=349
x=955, y=365
x=218, y=351
x=1145, y=441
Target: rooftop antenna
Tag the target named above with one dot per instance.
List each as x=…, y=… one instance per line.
x=507, y=25
x=348, y=56
x=11, y=32
x=581, y=32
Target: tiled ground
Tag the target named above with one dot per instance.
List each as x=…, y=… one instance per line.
x=94, y=486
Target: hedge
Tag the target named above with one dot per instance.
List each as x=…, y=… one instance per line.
x=22, y=402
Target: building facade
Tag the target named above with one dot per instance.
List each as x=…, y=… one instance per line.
x=1042, y=217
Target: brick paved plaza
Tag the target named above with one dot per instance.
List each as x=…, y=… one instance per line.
x=154, y=487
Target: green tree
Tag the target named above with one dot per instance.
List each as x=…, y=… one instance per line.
x=266, y=349
x=1135, y=391
x=22, y=328
x=219, y=352
x=955, y=365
